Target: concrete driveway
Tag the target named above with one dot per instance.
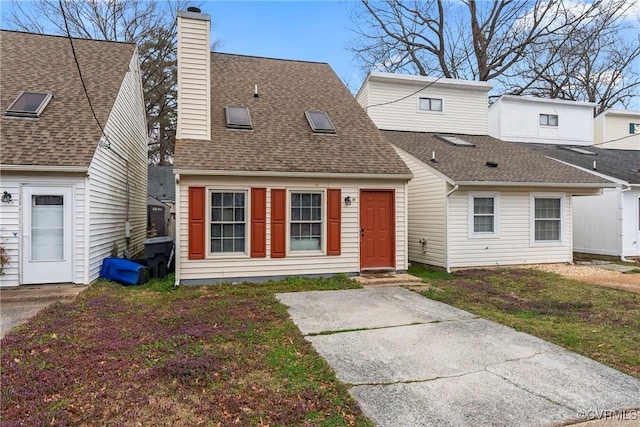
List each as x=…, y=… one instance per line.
x=411, y=361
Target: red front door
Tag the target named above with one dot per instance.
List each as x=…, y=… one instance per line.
x=377, y=230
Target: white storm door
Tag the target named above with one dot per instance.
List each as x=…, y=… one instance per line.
x=47, y=245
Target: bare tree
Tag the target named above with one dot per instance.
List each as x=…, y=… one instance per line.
x=521, y=46
x=151, y=24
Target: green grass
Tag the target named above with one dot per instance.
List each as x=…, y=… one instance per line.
x=597, y=322
x=216, y=355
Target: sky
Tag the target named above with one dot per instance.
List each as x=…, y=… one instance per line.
x=303, y=30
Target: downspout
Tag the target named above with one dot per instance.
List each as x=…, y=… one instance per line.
x=446, y=227
x=621, y=222
x=178, y=224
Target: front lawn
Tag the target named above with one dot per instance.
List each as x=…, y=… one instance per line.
x=151, y=355
x=597, y=322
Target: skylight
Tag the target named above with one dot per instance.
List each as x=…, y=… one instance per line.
x=238, y=117
x=578, y=150
x=29, y=104
x=319, y=122
x=454, y=140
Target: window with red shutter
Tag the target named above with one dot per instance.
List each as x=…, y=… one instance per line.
x=278, y=223
x=258, y=222
x=197, y=202
x=334, y=217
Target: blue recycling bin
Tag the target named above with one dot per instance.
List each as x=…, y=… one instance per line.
x=123, y=271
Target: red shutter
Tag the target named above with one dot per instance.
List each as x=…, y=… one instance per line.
x=334, y=215
x=196, y=222
x=278, y=223
x=258, y=222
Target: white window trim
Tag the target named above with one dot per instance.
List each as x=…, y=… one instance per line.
x=532, y=219
x=496, y=215
x=547, y=125
x=323, y=227
x=247, y=220
x=429, y=111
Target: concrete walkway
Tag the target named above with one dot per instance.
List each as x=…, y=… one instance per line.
x=19, y=304
x=411, y=361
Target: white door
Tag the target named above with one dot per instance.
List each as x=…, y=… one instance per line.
x=47, y=245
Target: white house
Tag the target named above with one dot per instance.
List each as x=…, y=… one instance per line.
x=607, y=224
x=617, y=129
x=70, y=193
x=278, y=170
x=540, y=120
x=474, y=200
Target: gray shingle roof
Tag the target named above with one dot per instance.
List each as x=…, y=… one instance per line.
x=620, y=164
x=66, y=133
x=516, y=162
x=161, y=183
x=281, y=139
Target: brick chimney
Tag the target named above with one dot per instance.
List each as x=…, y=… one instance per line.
x=194, y=62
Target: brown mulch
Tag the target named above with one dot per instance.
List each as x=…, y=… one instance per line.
x=594, y=275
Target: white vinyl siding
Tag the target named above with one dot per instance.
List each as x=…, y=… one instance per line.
x=607, y=224
x=194, y=58
x=514, y=243
x=524, y=119
x=615, y=128
x=294, y=263
x=11, y=232
x=127, y=135
x=426, y=218
x=404, y=114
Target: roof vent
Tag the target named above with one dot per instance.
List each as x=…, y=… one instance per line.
x=492, y=164
x=454, y=140
x=194, y=9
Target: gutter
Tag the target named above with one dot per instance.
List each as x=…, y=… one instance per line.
x=537, y=184
x=205, y=172
x=446, y=227
x=44, y=168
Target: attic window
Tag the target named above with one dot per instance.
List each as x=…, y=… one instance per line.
x=29, y=104
x=578, y=150
x=319, y=122
x=454, y=140
x=238, y=117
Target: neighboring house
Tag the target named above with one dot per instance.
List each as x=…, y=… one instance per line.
x=279, y=172
x=540, y=120
x=474, y=200
x=162, y=200
x=425, y=104
x=70, y=193
x=608, y=224
x=617, y=129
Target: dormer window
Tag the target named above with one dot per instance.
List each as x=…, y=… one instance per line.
x=238, y=117
x=29, y=104
x=549, y=120
x=430, y=104
x=320, y=122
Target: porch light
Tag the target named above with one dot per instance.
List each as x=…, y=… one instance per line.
x=347, y=200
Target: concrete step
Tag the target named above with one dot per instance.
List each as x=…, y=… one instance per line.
x=387, y=279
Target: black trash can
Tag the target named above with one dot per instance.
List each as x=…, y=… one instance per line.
x=159, y=253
